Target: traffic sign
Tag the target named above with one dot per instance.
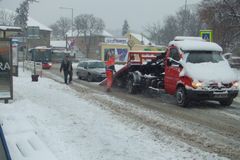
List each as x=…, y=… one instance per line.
x=33, y=32
x=206, y=35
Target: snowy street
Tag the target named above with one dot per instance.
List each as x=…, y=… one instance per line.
x=80, y=82
x=74, y=128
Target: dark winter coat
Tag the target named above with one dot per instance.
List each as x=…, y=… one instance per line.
x=66, y=66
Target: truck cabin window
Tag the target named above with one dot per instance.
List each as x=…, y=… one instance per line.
x=204, y=56
x=174, y=54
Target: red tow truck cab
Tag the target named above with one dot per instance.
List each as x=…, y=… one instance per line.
x=191, y=69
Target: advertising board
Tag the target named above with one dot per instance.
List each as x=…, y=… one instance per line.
x=5, y=69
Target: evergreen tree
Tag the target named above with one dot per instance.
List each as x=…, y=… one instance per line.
x=125, y=28
x=22, y=14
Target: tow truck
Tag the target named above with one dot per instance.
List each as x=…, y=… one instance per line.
x=190, y=68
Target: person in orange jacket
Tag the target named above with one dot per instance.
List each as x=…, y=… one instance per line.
x=110, y=68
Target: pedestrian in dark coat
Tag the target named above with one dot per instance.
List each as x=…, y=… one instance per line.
x=66, y=66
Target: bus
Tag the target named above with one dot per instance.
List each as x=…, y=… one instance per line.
x=41, y=54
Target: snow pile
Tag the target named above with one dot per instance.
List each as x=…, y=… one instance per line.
x=193, y=45
x=75, y=129
x=23, y=142
x=209, y=72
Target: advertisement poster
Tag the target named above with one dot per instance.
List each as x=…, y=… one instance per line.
x=5, y=70
x=119, y=53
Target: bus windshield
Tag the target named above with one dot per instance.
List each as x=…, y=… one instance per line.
x=41, y=55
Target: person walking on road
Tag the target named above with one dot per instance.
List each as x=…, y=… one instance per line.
x=66, y=66
x=110, y=68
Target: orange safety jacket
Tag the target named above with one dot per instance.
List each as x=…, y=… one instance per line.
x=110, y=63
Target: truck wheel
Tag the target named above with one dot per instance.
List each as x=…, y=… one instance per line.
x=119, y=83
x=130, y=87
x=226, y=102
x=181, y=97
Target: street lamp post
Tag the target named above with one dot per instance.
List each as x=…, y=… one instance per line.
x=72, y=16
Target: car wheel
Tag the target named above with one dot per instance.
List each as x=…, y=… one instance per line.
x=226, y=102
x=89, y=78
x=181, y=97
x=78, y=75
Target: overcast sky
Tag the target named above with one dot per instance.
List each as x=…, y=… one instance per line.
x=113, y=12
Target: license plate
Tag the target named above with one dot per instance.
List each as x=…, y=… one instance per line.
x=220, y=95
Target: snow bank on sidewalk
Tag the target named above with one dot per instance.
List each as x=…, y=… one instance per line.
x=76, y=129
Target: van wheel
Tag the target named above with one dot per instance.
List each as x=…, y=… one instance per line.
x=131, y=88
x=226, y=102
x=181, y=97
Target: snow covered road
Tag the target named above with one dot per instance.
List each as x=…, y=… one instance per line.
x=74, y=128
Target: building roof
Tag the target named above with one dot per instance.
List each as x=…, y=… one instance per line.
x=31, y=21
x=193, y=45
x=10, y=28
x=141, y=38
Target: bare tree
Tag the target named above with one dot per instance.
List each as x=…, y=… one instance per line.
x=88, y=25
x=184, y=23
x=154, y=32
x=61, y=27
x=222, y=16
x=7, y=18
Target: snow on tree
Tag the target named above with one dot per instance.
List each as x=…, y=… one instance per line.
x=6, y=18
x=60, y=28
x=22, y=14
x=88, y=25
x=222, y=16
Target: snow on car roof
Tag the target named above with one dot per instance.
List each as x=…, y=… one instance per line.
x=194, y=45
x=181, y=38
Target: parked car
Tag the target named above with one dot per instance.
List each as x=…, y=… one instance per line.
x=91, y=70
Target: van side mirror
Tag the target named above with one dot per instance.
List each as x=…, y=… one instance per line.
x=227, y=55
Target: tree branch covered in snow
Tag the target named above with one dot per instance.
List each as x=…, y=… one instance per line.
x=222, y=16
x=22, y=14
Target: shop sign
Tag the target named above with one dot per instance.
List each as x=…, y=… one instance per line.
x=111, y=40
